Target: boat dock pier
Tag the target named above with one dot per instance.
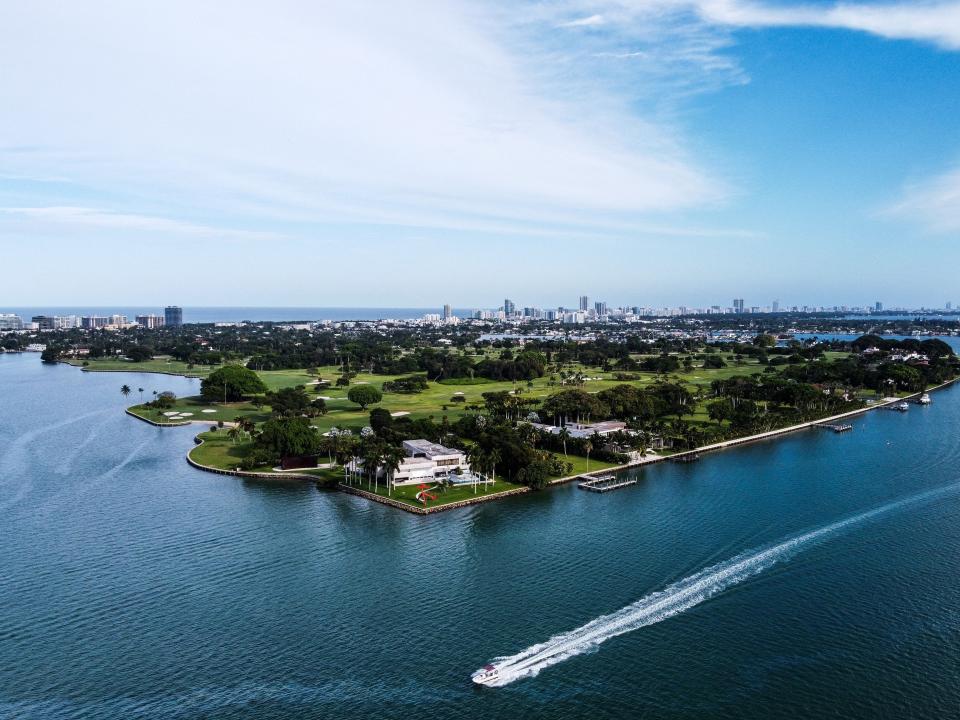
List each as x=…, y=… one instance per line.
x=895, y=407
x=603, y=483
x=835, y=428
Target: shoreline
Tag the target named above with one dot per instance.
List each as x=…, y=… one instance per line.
x=648, y=460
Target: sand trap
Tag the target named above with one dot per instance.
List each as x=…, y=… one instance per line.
x=458, y=393
x=208, y=410
x=324, y=397
x=399, y=414
x=186, y=414
x=361, y=382
x=170, y=414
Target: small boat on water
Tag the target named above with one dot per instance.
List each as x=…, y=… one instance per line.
x=902, y=407
x=924, y=399
x=487, y=675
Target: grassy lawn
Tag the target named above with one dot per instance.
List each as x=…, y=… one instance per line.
x=219, y=451
x=581, y=466
x=435, y=402
x=158, y=364
x=407, y=493
x=195, y=406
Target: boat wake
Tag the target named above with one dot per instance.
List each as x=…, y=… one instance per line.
x=680, y=596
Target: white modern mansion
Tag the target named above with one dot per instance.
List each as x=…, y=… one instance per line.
x=584, y=430
x=426, y=461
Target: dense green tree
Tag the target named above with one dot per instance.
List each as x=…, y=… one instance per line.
x=289, y=400
x=140, y=353
x=380, y=420
x=289, y=436
x=364, y=395
x=231, y=383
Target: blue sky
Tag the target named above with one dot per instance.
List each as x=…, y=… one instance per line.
x=651, y=152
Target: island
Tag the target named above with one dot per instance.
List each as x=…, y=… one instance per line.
x=427, y=418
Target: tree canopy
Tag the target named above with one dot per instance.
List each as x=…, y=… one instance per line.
x=364, y=395
x=231, y=382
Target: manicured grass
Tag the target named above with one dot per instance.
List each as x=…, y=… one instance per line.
x=159, y=364
x=407, y=493
x=219, y=451
x=466, y=381
x=581, y=466
x=196, y=406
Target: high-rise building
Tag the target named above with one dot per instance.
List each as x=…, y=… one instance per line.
x=600, y=307
x=56, y=322
x=508, y=307
x=776, y=306
x=949, y=305
x=878, y=306
x=151, y=322
x=584, y=303
x=9, y=321
x=93, y=322
x=738, y=305
x=447, y=312
x=173, y=316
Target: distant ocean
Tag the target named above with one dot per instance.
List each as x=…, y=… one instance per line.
x=238, y=314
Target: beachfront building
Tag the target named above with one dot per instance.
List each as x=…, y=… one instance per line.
x=94, y=322
x=150, y=322
x=8, y=321
x=173, y=316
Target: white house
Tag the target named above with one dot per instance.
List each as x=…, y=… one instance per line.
x=426, y=461
x=584, y=430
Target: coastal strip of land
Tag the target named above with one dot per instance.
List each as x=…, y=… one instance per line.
x=431, y=509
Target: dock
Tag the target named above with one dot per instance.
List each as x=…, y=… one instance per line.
x=835, y=428
x=895, y=407
x=603, y=483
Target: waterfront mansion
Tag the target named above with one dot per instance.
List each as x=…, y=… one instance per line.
x=426, y=461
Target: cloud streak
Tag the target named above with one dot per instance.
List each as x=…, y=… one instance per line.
x=95, y=218
x=323, y=115
x=935, y=202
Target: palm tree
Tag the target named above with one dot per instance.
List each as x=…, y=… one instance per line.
x=140, y=390
x=478, y=458
x=234, y=432
x=493, y=457
x=588, y=446
x=125, y=390
x=564, y=435
x=392, y=459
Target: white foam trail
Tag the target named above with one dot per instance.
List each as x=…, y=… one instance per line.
x=680, y=596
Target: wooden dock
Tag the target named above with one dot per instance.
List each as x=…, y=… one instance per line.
x=603, y=483
x=835, y=428
x=896, y=407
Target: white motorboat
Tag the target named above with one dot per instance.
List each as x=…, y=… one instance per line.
x=487, y=675
x=925, y=399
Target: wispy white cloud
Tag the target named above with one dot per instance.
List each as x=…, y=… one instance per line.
x=934, y=22
x=935, y=202
x=589, y=21
x=95, y=218
x=327, y=114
